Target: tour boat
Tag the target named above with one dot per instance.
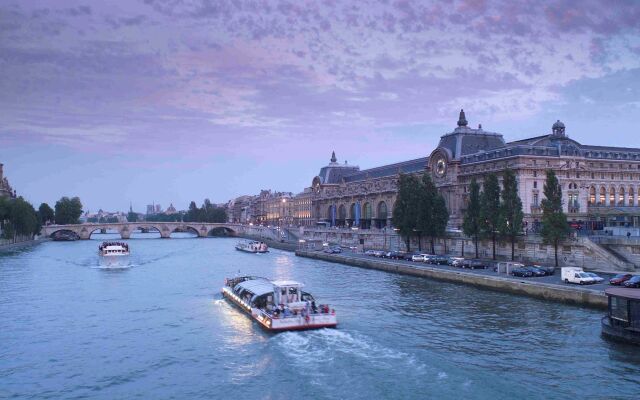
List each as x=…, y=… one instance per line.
x=278, y=305
x=622, y=321
x=113, y=249
x=252, y=247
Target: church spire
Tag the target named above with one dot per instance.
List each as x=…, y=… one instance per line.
x=462, y=120
x=333, y=157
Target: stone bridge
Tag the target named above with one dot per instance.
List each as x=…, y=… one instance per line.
x=202, y=229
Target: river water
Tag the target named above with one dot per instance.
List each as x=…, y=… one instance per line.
x=156, y=327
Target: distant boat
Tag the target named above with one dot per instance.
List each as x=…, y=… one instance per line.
x=252, y=247
x=278, y=305
x=113, y=249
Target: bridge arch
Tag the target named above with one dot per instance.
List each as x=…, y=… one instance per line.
x=64, y=234
x=221, y=231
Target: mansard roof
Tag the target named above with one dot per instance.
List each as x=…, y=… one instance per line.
x=416, y=165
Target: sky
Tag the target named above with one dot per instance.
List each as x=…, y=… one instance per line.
x=135, y=102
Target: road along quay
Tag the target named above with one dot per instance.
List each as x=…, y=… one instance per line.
x=548, y=288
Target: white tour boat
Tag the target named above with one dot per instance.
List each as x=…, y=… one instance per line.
x=113, y=249
x=278, y=305
x=252, y=247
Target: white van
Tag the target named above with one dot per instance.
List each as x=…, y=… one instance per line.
x=575, y=275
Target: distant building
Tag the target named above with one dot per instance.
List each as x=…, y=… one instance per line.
x=158, y=209
x=5, y=189
x=302, y=208
x=150, y=209
x=171, y=210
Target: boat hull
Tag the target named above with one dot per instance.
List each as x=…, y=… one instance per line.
x=618, y=333
x=252, y=251
x=299, y=323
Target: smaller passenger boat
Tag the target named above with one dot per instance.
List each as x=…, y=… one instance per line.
x=622, y=321
x=113, y=249
x=278, y=305
x=253, y=247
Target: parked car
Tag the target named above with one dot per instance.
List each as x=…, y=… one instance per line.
x=596, y=278
x=523, y=272
x=474, y=264
x=547, y=270
x=369, y=252
x=535, y=271
x=619, y=279
x=409, y=256
x=417, y=257
x=396, y=255
x=455, y=261
x=439, y=260
x=333, y=250
x=379, y=253
x=634, y=282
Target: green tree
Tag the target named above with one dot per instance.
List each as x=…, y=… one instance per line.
x=433, y=215
x=555, y=227
x=406, y=207
x=45, y=214
x=471, y=225
x=24, y=218
x=68, y=211
x=132, y=216
x=510, y=210
x=490, y=209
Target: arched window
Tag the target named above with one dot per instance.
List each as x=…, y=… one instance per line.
x=612, y=196
x=592, y=195
x=621, y=196
x=366, y=211
x=382, y=210
x=603, y=196
x=352, y=211
x=329, y=212
x=342, y=212
x=631, y=196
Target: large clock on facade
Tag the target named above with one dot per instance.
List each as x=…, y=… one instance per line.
x=440, y=167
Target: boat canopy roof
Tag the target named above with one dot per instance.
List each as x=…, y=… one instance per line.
x=256, y=286
x=627, y=293
x=287, y=283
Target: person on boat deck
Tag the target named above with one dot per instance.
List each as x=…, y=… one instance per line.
x=313, y=307
x=287, y=312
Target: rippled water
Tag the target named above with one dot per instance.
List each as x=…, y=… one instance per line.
x=155, y=326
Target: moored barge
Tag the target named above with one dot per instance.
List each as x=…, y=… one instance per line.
x=278, y=305
x=622, y=321
x=252, y=247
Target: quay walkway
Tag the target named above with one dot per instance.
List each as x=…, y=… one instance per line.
x=548, y=287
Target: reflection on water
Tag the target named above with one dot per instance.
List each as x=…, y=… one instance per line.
x=154, y=325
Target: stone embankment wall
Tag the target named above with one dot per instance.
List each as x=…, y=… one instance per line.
x=576, y=251
x=571, y=295
x=19, y=242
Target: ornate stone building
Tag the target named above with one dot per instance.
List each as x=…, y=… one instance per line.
x=5, y=189
x=600, y=184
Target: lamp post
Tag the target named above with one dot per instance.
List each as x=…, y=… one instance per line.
x=284, y=202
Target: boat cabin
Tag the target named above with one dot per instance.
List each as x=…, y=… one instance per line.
x=622, y=321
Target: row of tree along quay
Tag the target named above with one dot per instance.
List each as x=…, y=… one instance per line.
x=492, y=212
x=18, y=218
x=208, y=212
x=420, y=211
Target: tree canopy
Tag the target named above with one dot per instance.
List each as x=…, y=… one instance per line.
x=45, y=214
x=406, y=207
x=555, y=227
x=471, y=225
x=207, y=213
x=490, y=209
x=68, y=211
x=433, y=215
x=511, y=215
x=18, y=217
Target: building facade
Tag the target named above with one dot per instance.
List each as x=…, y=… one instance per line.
x=5, y=188
x=600, y=184
x=302, y=208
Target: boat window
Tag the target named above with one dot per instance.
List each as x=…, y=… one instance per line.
x=619, y=308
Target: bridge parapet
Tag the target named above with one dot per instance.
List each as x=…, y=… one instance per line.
x=125, y=229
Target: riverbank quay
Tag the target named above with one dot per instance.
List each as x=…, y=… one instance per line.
x=7, y=245
x=548, y=289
